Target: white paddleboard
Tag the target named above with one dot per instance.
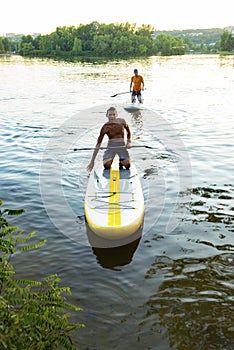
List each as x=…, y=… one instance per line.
x=114, y=202
x=133, y=107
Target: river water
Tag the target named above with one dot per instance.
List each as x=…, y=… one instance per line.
x=172, y=288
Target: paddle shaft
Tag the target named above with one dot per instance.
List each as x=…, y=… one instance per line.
x=92, y=148
x=121, y=93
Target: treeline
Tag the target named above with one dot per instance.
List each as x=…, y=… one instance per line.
x=211, y=40
x=102, y=40
x=117, y=41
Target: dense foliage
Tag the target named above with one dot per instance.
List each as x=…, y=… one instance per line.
x=33, y=313
x=202, y=40
x=119, y=40
x=101, y=40
x=227, y=42
x=94, y=39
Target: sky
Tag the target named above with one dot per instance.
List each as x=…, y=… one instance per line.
x=44, y=16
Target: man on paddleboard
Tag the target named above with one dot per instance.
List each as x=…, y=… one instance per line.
x=114, y=129
x=136, y=85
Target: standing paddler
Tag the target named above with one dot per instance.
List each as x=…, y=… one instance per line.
x=136, y=85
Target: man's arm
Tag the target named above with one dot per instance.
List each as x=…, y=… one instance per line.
x=96, y=149
x=126, y=126
x=131, y=84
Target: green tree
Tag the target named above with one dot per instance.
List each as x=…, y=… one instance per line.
x=86, y=33
x=102, y=44
x=27, y=45
x=33, y=313
x=6, y=44
x=168, y=45
x=146, y=42
x=65, y=38
x=227, y=42
x=37, y=42
x=189, y=44
x=27, y=49
x=49, y=43
x=2, y=50
x=203, y=48
x=122, y=45
x=77, y=47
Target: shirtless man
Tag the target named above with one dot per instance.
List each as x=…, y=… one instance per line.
x=114, y=129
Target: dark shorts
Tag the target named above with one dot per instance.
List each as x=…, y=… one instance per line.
x=136, y=93
x=114, y=148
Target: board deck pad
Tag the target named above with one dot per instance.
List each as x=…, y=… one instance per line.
x=114, y=202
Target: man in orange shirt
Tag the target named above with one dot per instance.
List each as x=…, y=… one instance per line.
x=137, y=82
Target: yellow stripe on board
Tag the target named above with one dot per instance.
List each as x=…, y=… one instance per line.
x=114, y=213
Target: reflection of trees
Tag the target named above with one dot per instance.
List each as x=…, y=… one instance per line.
x=212, y=204
x=194, y=303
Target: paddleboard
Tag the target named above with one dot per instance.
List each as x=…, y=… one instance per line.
x=114, y=201
x=133, y=107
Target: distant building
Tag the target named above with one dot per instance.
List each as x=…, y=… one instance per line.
x=18, y=36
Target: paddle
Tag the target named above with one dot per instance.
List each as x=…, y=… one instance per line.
x=92, y=148
x=121, y=93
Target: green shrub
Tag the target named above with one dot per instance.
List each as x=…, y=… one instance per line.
x=34, y=314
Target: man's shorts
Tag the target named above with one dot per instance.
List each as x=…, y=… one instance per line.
x=115, y=147
x=136, y=92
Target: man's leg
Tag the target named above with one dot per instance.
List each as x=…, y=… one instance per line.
x=107, y=163
x=126, y=163
x=139, y=96
x=133, y=97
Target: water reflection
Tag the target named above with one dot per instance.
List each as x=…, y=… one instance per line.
x=137, y=123
x=114, y=253
x=194, y=304
x=213, y=204
x=112, y=258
